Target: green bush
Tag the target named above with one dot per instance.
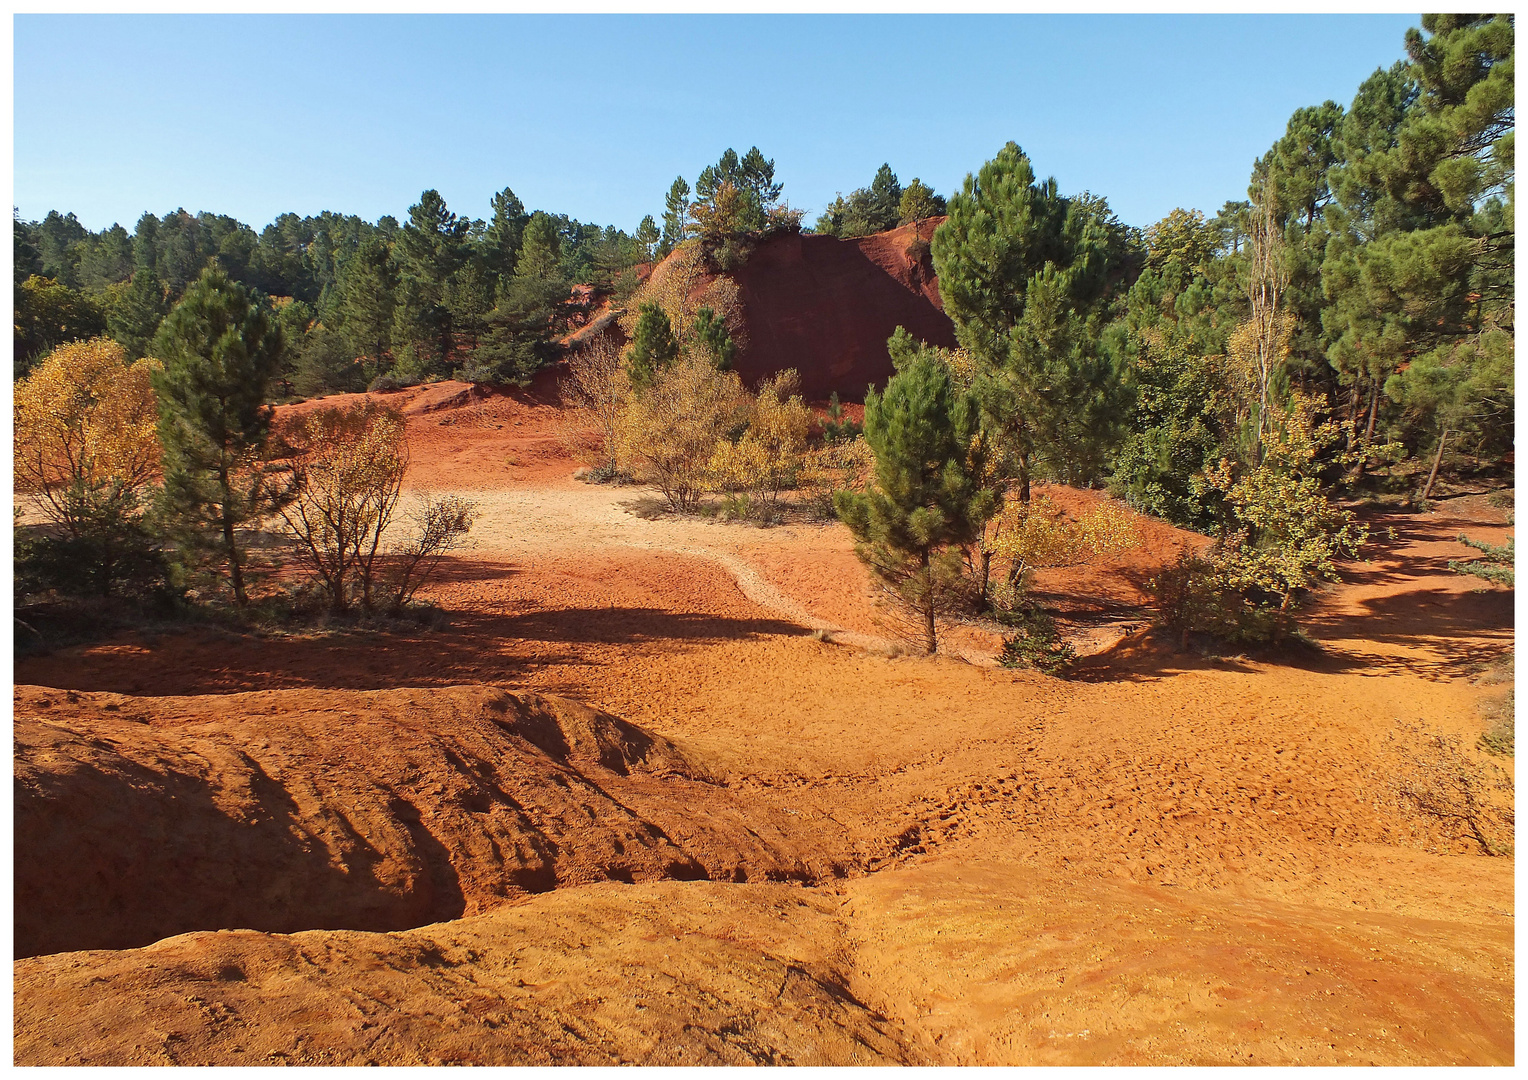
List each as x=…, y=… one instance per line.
x=111, y=549
x=1496, y=567
x=1037, y=644
x=1197, y=595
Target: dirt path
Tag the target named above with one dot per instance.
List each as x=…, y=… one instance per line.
x=559, y=519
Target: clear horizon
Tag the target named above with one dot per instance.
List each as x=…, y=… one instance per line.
x=593, y=116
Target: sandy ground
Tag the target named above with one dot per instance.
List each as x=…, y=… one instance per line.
x=1172, y=858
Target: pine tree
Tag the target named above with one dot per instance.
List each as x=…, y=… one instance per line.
x=648, y=238
x=540, y=250
x=220, y=351
x=747, y=182
x=885, y=199
x=367, y=298
x=929, y=499
x=432, y=247
x=25, y=260
x=1419, y=274
x=918, y=202
x=676, y=211
x=711, y=335
x=1009, y=237
x=501, y=243
x=1297, y=165
x=517, y=341
x=653, y=346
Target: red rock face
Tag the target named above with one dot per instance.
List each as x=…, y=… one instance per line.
x=826, y=306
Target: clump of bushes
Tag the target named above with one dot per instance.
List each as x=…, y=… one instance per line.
x=348, y=469
x=152, y=479
x=1282, y=538
x=767, y=458
x=669, y=412
x=85, y=455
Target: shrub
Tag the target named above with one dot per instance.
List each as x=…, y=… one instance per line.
x=1500, y=739
x=680, y=286
x=348, y=474
x=111, y=548
x=842, y=465
x=670, y=433
x=1039, y=535
x=85, y=450
x=768, y=457
x=836, y=428
x=440, y=526
x=1037, y=644
x=1283, y=537
x=1442, y=782
x=1195, y=595
x=597, y=384
x=1286, y=537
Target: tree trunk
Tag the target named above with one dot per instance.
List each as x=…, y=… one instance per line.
x=930, y=642
x=235, y=571
x=1437, y=460
x=1363, y=460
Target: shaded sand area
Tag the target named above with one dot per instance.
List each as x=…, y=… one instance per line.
x=663, y=791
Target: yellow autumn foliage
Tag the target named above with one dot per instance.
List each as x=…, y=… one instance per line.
x=349, y=475
x=1039, y=535
x=670, y=433
x=767, y=458
x=681, y=285
x=84, y=419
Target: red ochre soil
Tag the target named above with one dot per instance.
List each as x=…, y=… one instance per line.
x=826, y=306
x=624, y=805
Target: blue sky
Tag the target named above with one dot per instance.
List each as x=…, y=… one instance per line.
x=594, y=116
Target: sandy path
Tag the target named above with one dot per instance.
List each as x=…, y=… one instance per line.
x=527, y=523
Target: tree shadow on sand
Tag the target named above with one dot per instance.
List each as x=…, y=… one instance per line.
x=1446, y=635
x=473, y=647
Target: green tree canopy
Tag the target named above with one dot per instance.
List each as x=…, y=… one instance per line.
x=929, y=499
x=653, y=345
x=1010, y=239
x=918, y=202
x=220, y=351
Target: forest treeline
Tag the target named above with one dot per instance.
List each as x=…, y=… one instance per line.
x=435, y=296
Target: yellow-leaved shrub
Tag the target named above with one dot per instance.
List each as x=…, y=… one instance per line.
x=84, y=421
